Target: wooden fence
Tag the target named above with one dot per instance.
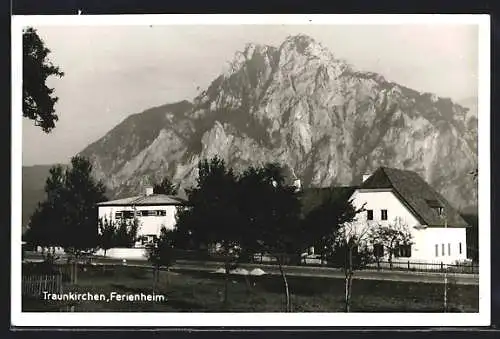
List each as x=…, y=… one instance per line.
x=34, y=285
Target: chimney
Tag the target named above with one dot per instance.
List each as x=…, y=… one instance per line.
x=149, y=190
x=366, y=176
x=297, y=185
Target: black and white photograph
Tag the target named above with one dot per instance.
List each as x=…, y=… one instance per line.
x=251, y=170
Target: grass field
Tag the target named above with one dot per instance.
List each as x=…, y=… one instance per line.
x=203, y=292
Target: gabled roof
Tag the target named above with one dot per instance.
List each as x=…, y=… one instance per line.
x=417, y=195
x=313, y=197
x=146, y=200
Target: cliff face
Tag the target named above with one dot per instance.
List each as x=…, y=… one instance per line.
x=299, y=105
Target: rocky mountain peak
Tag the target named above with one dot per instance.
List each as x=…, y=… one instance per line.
x=305, y=46
x=297, y=105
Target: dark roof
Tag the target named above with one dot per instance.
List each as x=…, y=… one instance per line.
x=417, y=195
x=313, y=197
x=145, y=200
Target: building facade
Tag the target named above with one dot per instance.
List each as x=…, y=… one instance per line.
x=390, y=196
x=153, y=211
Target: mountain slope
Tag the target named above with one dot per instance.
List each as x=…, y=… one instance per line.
x=299, y=105
x=34, y=178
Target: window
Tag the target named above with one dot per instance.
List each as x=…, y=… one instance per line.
x=449, y=249
x=369, y=214
x=128, y=214
x=460, y=248
x=378, y=250
x=124, y=214
x=442, y=249
x=436, y=206
x=383, y=215
x=147, y=239
x=403, y=251
x=437, y=250
x=153, y=213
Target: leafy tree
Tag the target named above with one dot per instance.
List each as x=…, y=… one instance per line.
x=38, y=99
x=390, y=237
x=67, y=217
x=270, y=210
x=323, y=222
x=161, y=253
x=165, y=187
x=213, y=219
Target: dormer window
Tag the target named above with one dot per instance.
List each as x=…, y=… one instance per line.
x=436, y=206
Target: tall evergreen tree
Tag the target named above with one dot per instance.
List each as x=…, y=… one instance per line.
x=165, y=187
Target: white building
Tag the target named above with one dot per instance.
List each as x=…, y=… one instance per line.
x=153, y=211
x=438, y=231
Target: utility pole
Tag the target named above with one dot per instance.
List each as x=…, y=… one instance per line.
x=445, y=270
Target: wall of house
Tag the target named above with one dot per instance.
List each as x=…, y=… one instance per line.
x=149, y=225
x=377, y=201
x=424, y=239
x=124, y=253
x=440, y=236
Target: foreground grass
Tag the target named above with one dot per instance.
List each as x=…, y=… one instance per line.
x=203, y=292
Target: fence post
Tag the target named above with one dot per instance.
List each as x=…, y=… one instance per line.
x=39, y=286
x=408, y=265
x=442, y=267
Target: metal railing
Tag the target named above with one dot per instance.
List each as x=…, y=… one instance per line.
x=416, y=266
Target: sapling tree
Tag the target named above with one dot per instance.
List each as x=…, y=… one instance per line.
x=391, y=237
x=475, y=174
x=107, y=234
x=160, y=253
x=350, y=249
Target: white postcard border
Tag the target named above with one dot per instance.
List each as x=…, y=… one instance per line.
x=19, y=318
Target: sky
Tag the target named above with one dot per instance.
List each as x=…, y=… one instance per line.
x=114, y=71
